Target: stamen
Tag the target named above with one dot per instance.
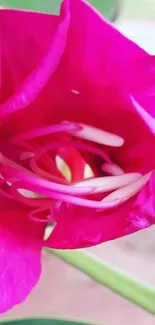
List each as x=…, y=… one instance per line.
x=71, y=199
x=17, y=188
x=127, y=192
x=97, y=135
x=125, y=185
x=39, y=171
x=109, y=183
x=47, y=175
x=112, y=169
x=84, y=202
x=86, y=147
x=32, y=215
x=28, y=194
x=15, y=170
x=35, y=133
x=69, y=143
x=51, y=167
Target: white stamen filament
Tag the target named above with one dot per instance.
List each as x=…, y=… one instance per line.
x=127, y=192
x=97, y=135
x=122, y=186
x=112, y=169
x=109, y=183
x=28, y=194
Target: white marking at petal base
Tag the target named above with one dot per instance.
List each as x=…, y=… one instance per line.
x=126, y=192
x=112, y=169
x=88, y=172
x=29, y=194
x=98, y=136
x=75, y=92
x=48, y=231
x=63, y=168
x=148, y=119
x=109, y=183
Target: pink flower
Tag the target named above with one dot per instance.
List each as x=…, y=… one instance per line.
x=79, y=96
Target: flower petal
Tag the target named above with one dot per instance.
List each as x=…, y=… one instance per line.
x=20, y=251
x=102, y=55
x=105, y=56
x=42, y=35
x=143, y=213
x=83, y=227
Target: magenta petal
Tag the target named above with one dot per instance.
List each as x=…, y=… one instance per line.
x=98, y=51
x=144, y=87
x=103, y=56
x=83, y=70
x=84, y=227
x=143, y=212
x=20, y=252
x=33, y=32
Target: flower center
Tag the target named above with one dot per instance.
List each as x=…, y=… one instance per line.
x=41, y=178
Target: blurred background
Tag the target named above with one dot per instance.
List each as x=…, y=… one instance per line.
x=65, y=292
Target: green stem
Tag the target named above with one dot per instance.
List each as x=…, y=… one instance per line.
x=134, y=290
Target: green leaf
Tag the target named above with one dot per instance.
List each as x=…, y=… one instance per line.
x=47, y=6
x=139, y=292
x=107, y=7
x=40, y=321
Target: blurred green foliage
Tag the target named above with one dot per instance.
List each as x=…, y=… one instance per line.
x=107, y=7
x=38, y=321
x=49, y=6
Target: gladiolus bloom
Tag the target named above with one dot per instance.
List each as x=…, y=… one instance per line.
x=77, y=138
